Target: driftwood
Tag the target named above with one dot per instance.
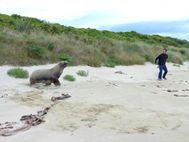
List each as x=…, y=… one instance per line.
x=10, y=128
x=27, y=121
x=64, y=96
x=120, y=72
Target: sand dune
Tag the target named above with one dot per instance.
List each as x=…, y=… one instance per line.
x=125, y=103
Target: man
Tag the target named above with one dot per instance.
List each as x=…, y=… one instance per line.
x=162, y=58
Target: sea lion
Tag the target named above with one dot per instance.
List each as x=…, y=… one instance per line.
x=48, y=76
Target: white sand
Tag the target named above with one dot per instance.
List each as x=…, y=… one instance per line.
x=104, y=107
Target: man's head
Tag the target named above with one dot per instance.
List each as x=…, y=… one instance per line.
x=164, y=50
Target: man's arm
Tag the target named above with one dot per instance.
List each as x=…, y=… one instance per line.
x=156, y=59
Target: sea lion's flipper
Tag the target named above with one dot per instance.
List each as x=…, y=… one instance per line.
x=56, y=82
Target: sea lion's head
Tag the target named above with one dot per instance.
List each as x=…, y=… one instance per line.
x=63, y=64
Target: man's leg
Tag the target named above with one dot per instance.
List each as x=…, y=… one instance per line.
x=165, y=71
x=160, y=72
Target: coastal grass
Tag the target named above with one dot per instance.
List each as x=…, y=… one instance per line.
x=82, y=73
x=40, y=47
x=18, y=73
x=69, y=77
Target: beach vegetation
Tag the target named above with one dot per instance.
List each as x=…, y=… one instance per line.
x=34, y=51
x=30, y=41
x=18, y=73
x=65, y=57
x=83, y=73
x=69, y=77
x=50, y=46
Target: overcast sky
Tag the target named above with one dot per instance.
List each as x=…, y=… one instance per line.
x=105, y=14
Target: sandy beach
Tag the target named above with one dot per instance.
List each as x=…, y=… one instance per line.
x=125, y=103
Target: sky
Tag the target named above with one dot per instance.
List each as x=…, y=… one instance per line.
x=164, y=17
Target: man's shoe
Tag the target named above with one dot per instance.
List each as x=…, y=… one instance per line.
x=164, y=78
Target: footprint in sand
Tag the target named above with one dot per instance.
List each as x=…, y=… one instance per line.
x=169, y=90
x=181, y=95
x=4, y=95
x=185, y=90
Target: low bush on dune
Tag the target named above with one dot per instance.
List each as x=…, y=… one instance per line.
x=112, y=62
x=65, y=57
x=69, y=77
x=82, y=73
x=35, y=51
x=175, y=57
x=18, y=73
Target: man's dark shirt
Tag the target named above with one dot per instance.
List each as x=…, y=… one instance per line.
x=162, y=58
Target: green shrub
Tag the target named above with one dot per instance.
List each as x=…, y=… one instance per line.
x=69, y=77
x=148, y=54
x=65, y=57
x=50, y=46
x=35, y=51
x=183, y=52
x=18, y=73
x=95, y=58
x=23, y=25
x=175, y=58
x=130, y=59
x=134, y=48
x=112, y=62
x=82, y=73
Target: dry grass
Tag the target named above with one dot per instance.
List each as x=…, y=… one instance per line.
x=47, y=48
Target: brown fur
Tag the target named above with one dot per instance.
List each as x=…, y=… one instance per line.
x=48, y=76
